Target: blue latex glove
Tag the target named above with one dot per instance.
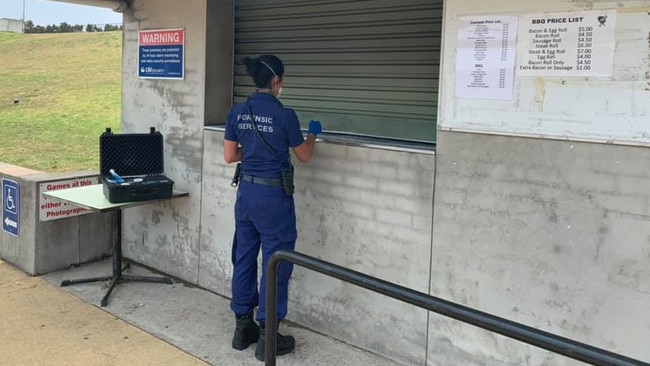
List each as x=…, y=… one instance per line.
x=315, y=128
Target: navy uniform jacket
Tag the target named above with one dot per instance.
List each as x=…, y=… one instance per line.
x=279, y=126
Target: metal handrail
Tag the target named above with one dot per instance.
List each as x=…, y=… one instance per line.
x=551, y=342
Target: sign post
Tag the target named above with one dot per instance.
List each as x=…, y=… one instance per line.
x=10, y=207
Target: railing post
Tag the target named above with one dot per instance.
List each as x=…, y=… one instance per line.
x=536, y=337
x=271, y=322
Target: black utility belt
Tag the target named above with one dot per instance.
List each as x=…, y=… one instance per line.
x=286, y=182
x=261, y=181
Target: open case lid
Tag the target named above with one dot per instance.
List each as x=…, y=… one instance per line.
x=131, y=154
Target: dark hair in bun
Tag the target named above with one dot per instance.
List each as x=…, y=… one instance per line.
x=262, y=69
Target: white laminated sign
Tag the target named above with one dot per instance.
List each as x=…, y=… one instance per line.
x=51, y=209
x=567, y=44
x=485, y=57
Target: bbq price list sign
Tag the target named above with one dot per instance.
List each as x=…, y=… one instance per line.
x=567, y=44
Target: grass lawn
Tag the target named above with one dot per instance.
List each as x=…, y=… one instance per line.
x=58, y=93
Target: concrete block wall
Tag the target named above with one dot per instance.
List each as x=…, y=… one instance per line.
x=369, y=210
x=549, y=233
x=217, y=217
x=552, y=234
x=16, y=250
x=353, y=212
x=11, y=25
x=381, y=226
x=43, y=247
x=165, y=235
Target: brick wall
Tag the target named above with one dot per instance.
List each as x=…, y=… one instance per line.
x=369, y=210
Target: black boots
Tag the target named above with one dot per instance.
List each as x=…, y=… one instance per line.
x=285, y=344
x=246, y=332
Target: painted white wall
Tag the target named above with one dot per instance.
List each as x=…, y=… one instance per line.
x=607, y=109
x=552, y=234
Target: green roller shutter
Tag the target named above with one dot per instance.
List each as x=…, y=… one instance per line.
x=362, y=67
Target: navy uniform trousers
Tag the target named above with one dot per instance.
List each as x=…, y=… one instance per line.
x=264, y=217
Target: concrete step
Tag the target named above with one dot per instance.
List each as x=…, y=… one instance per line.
x=200, y=322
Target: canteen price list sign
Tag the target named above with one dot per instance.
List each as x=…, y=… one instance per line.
x=485, y=57
x=567, y=44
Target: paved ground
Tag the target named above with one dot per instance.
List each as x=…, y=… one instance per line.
x=43, y=325
x=143, y=324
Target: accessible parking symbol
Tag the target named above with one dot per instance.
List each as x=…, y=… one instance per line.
x=10, y=207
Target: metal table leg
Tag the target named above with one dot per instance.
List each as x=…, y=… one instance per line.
x=117, y=276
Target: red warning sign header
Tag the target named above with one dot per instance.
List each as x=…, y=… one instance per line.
x=162, y=37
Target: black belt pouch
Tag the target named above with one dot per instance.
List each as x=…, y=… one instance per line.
x=287, y=181
x=139, y=160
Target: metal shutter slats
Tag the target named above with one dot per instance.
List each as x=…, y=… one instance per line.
x=367, y=67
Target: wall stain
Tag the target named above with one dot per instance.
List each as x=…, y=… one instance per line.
x=647, y=73
x=540, y=92
x=155, y=216
x=185, y=147
x=584, y=4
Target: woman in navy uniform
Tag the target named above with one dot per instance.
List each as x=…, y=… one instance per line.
x=259, y=133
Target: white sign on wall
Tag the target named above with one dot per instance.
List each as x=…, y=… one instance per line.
x=485, y=58
x=51, y=209
x=567, y=44
x=578, y=77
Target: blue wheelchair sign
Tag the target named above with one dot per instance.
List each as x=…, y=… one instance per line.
x=10, y=207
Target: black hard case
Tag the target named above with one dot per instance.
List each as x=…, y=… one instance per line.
x=134, y=156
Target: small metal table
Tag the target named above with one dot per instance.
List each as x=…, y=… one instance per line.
x=92, y=198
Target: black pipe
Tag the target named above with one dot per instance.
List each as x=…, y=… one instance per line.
x=551, y=342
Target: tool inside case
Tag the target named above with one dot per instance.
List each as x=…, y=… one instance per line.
x=132, y=166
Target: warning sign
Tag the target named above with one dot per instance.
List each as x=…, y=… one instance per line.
x=51, y=209
x=161, y=54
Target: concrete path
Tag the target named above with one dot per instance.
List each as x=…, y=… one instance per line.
x=143, y=324
x=42, y=325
